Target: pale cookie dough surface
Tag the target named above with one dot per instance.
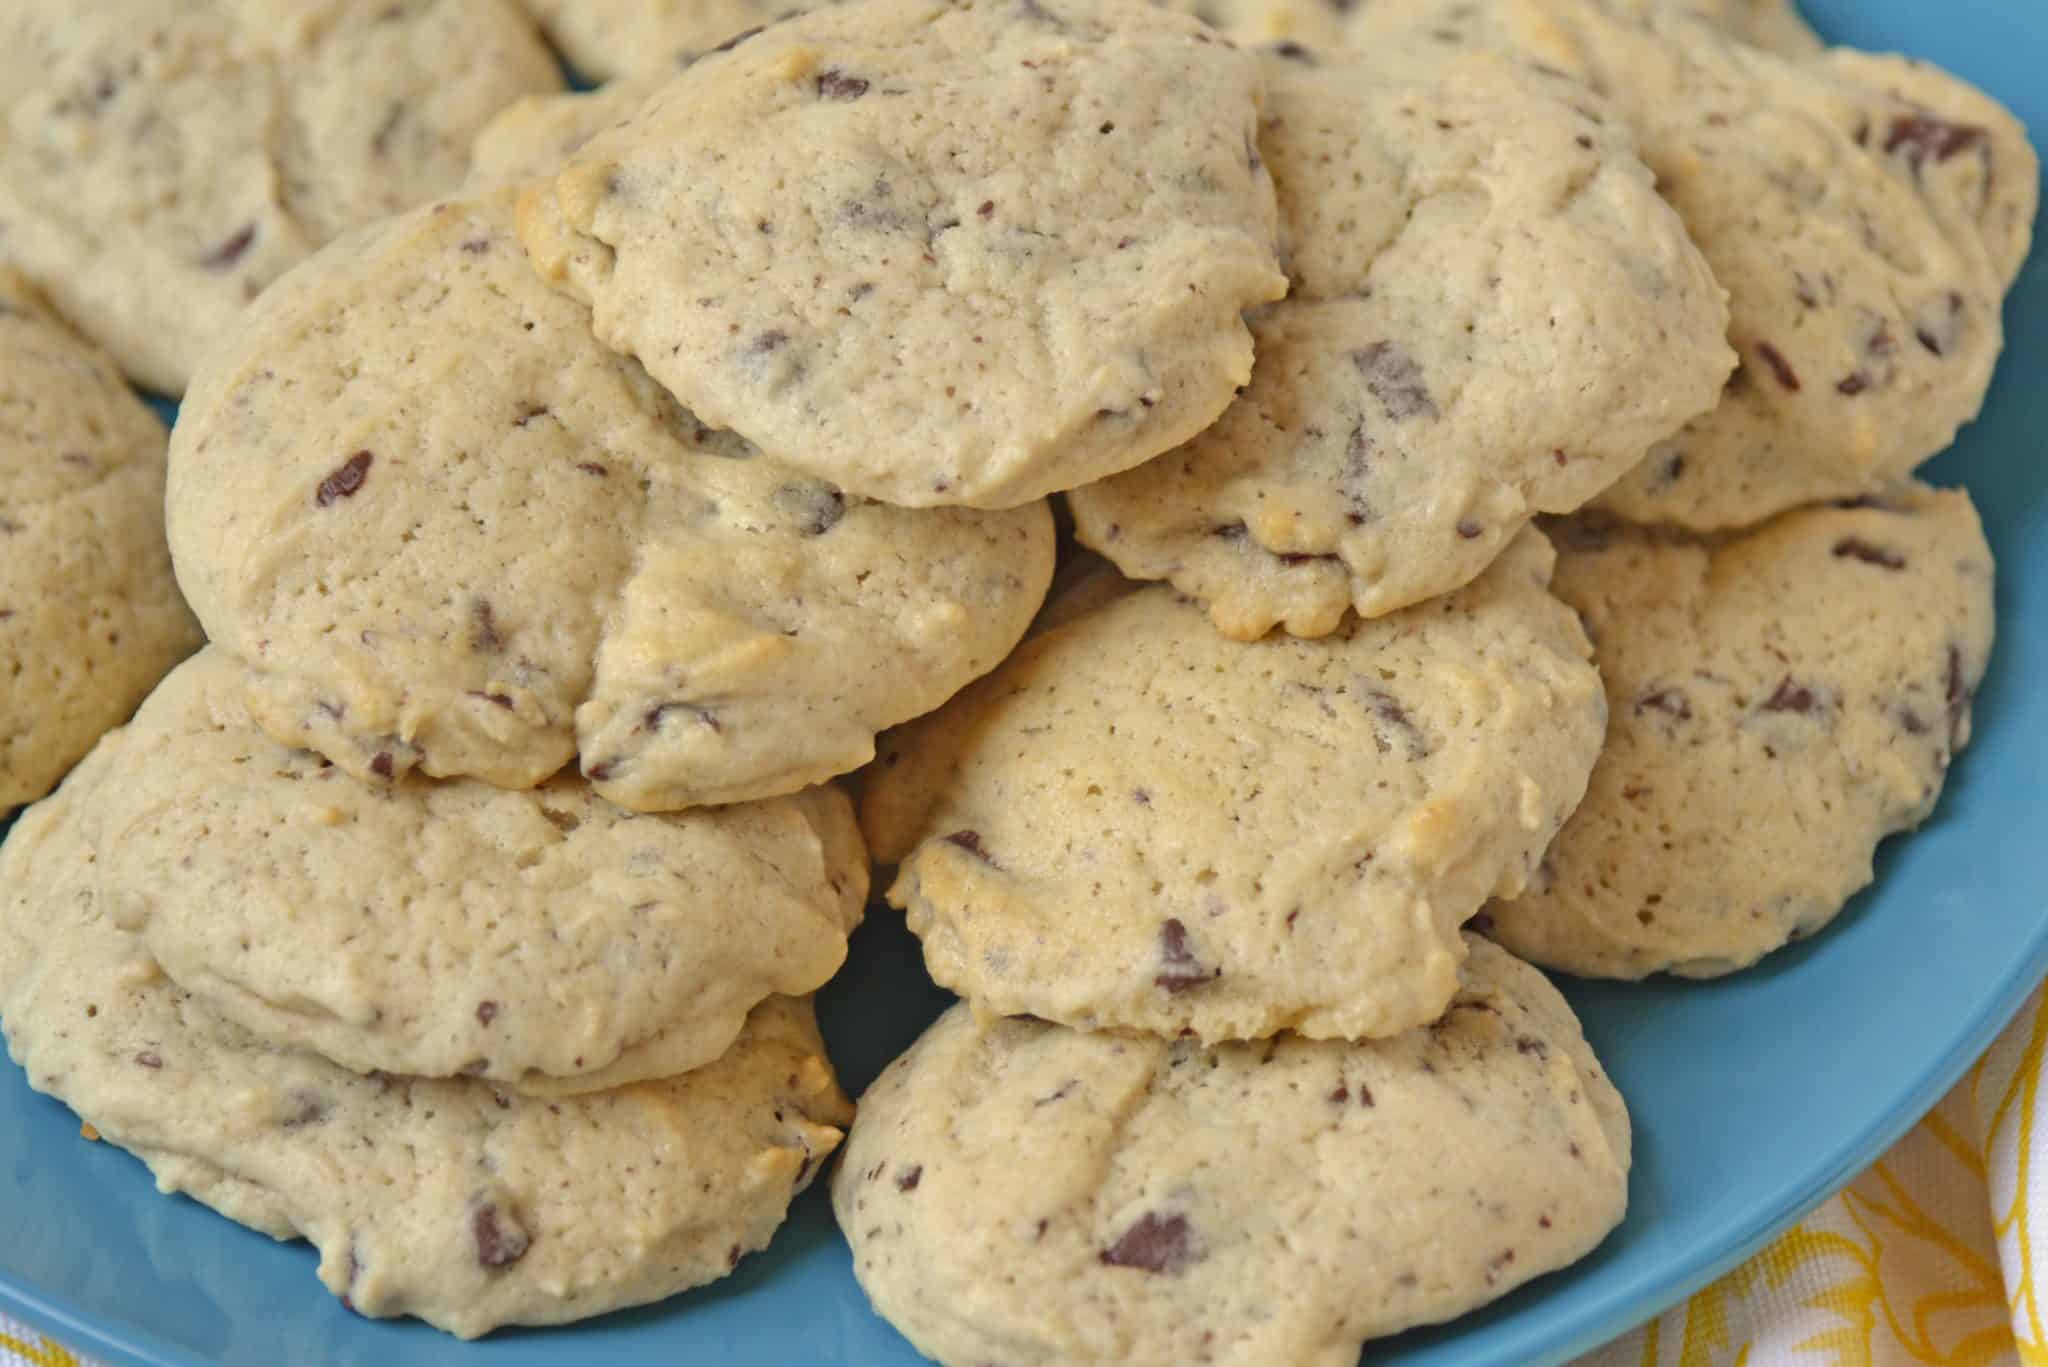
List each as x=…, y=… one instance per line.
x=464, y=537
x=939, y=254
x=534, y=135
x=1865, y=213
x=1021, y=1193
x=1493, y=316
x=161, y=161
x=546, y=939
x=1330, y=24
x=461, y=1203
x=90, y=617
x=1778, y=703
x=1137, y=823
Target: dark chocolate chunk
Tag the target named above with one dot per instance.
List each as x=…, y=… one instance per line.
x=486, y=1012
x=344, y=480
x=970, y=841
x=1924, y=137
x=1155, y=1243
x=908, y=1179
x=1180, y=969
x=230, y=251
x=1393, y=377
x=1856, y=548
x=1790, y=697
x=1780, y=367
x=834, y=84
x=500, y=1239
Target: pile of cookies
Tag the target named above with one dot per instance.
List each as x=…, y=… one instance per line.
x=1486, y=433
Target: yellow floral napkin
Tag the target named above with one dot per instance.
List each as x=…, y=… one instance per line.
x=1928, y=1257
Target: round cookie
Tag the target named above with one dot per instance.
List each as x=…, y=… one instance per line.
x=1018, y=1192
x=535, y=134
x=545, y=939
x=1865, y=213
x=90, y=617
x=464, y=537
x=164, y=160
x=1136, y=823
x=1778, y=703
x=455, y=1201
x=975, y=252
x=1493, y=316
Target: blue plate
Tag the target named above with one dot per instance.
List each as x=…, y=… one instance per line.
x=1753, y=1098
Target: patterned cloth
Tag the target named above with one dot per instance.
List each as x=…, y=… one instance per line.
x=1928, y=1257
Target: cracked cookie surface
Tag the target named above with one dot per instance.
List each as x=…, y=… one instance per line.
x=546, y=939
x=1779, y=701
x=1137, y=823
x=515, y=1210
x=1019, y=1192
x=971, y=254
x=557, y=559
x=162, y=161
x=1493, y=315
x=90, y=617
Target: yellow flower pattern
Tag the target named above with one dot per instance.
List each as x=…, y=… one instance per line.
x=1928, y=1257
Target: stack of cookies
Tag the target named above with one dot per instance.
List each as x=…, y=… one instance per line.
x=1486, y=432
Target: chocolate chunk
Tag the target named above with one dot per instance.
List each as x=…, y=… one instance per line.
x=908, y=1179
x=230, y=251
x=1469, y=530
x=1938, y=324
x=771, y=340
x=483, y=635
x=1393, y=377
x=486, y=1012
x=1385, y=707
x=705, y=716
x=1790, y=697
x=503, y=700
x=380, y=764
x=1923, y=136
x=1957, y=696
x=1669, y=701
x=591, y=467
x=1852, y=385
x=834, y=84
x=1911, y=722
x=1856, y=548
x=970, y=841
x=476, y=246
x=815, y=508
x=500, y=1239
x=1529, y=1044
x=307, y=1109
x=1180, y=969
x=1780, y=367
x=344, y=480
x=1294, y=52
x=149, y=1058
x=528, y=412
x=1154, y=1244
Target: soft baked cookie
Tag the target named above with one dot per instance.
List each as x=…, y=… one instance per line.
x=1778, y=702
x=534, y=135
x=1866, y=214
x=465, y=1204
x=90, y=618
x=1138, y=823
x=545, y=939
x=1022, y=1193
x=1493, y=315
x=973, y=252
x=445, y=529
x=161, y=161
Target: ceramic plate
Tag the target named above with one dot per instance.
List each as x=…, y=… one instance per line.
x=1753, y=1098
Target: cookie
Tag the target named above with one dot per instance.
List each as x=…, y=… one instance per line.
x=1778, y=702
x=165, y=160
x=1493, y=315
x=459, y=1202
x=446, y=530
x=534, y=135
x=544, y=939
x=89, y=616
x=1136, y=823
x=973, y=253
x=1335, y=24
x=1865, y=213
x=605, y=39
x=1019, y=1192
